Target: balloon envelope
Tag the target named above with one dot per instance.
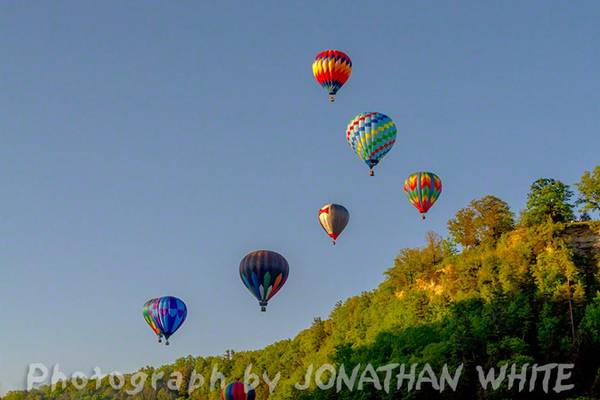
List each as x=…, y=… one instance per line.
x=171, y=314
x=264, y=273
x=148, y=318
x=331, y=69
x=333, y=218
x=423, y=189
x=154, y=316
x=371, y=135
x=238, y=391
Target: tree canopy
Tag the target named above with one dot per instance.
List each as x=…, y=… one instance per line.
x=589, y=191
x=548, y=199
x=484, y=221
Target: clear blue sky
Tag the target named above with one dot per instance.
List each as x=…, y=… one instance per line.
x=146, y=148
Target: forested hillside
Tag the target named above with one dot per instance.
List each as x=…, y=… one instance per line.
x=499, y=290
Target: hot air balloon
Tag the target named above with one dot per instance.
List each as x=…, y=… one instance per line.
x=333, y=218
x=423, y=189
x=153, y=312
x=238, y=391
x=371, y=135
x=331, y=69
x=150, y=320
x=264, y=273
x=171, y=315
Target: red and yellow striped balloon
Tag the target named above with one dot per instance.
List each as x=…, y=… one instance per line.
x=331, y=69
x=423, y=189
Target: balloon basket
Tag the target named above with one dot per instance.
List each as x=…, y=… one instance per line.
x=331, y=98
x=371, y=173
x=263, y=308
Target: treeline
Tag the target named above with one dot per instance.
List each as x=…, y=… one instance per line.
x=500, y=290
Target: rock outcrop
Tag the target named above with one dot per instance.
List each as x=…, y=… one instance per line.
x=584, y=239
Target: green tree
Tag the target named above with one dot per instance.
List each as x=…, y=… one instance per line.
x=548, y=198
x=590, y=325
x=589, y=191
x=412, y=263
x=482, y=222
x=556, y=275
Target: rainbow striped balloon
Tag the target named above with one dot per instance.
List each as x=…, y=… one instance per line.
x=149, y=319
x=331, y=69
x=423, y=189
x=371, y=135
x=153, y=311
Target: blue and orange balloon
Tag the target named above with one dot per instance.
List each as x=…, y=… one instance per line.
x=238, y=391
x=331, y=69
x=264, y=273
